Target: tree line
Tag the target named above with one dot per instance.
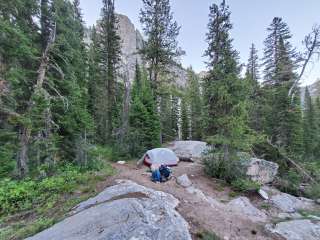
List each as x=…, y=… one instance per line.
x=59, y=96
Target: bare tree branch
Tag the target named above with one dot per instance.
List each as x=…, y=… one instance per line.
x=312, y=46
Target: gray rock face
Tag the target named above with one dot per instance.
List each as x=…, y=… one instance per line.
x=296, y=230
x=184, y=181
x=262, y=171
x=188, y=149
x=290, y=204
x=124, y=211
x=243, y=206
x=131, y=43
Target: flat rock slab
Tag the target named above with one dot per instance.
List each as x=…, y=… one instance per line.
x=124, y=211
x=296, y=230
x=243, y=206
x=290, y=204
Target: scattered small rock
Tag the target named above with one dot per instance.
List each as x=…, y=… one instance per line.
x=184, y=181
x=318, y=201
x=263, y=194
x=296, y=230
x=291, y=216
x=121, y=162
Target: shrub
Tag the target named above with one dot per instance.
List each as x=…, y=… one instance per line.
x=16, y=196
x=245, y=185
x=290, y=182
x=313, y=191
x=217, y=167
x=205, y=235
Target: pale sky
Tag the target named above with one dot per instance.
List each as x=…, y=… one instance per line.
x=249, y=17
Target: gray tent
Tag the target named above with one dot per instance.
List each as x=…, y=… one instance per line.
x=161, y=156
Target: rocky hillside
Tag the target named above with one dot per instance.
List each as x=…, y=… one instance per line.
x=132, y=41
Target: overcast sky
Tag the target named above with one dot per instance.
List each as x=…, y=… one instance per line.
x=249, y=17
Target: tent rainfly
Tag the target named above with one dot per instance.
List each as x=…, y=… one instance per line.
x=160, y=156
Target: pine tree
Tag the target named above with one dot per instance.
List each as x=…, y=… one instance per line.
x=278, y=32
x=224, y=91
x=185, y=120
x=283, y=124
x=143, y=118
x=195, y=104
x=72, y=116
x=310, y=128
x=161, y=47
x=108, y=48
x=254, y=90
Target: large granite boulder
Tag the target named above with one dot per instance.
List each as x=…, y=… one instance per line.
x=296, y=230
x=262, y=171
x=124, y=211
x=188, y=150
x=290, y=204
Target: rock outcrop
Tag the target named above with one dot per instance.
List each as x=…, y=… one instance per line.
x=131, y=42
x=243, y=206
x=290, y=204
x=124, y=211
x=262, y=171
x=189, y=150
x=296, y=230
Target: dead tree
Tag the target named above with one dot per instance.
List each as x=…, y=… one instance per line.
x=312, y=46
x=25, y=129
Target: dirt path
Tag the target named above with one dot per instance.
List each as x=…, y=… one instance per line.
x=200, y=214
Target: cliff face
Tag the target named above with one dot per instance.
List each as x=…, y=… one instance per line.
x=131, y=42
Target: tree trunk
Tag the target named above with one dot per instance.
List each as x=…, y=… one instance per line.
x=22, y=160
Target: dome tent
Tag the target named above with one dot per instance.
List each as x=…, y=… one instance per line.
x=160, y=156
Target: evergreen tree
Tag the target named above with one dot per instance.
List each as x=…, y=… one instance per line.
x=185, y=120
x=310, y=128
x=195, y=105
x=108, y=48
x=72, y=116
x=161, y=47
x=143, y=118
x=254, y=90
x=224, y=91
x=283, y=124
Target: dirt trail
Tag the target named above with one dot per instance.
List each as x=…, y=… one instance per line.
x=200, y=214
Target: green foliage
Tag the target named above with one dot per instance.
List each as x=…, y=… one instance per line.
x=225, y=100
x=245, y=185
x=16, y=196
x=216, y=166
x=290, y=182
x=144, y=125
x=206, y=235
x=194, y=100
x=313, y=191
x=161, y=31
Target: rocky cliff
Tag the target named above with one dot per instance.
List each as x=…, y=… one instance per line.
x=131, y=42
